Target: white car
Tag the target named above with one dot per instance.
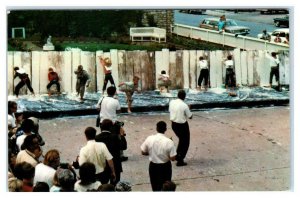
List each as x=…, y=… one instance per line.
x=282, y=33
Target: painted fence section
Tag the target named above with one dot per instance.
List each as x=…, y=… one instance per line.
x=251, y=67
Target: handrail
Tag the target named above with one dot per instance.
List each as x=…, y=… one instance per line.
x=243, y=42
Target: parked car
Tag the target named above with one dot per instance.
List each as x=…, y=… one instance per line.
x=273, y=11
x=200, y=11
x=230, y=26
x=282, y=21
x=282, y=33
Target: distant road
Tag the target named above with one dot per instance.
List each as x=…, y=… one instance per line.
x=254, y=20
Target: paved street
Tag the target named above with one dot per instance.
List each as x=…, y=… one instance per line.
x=231, y=150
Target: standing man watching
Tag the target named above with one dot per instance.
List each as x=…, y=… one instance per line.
x=160, y=150
x=98, y=154
x=108, y=108
x=179, y=112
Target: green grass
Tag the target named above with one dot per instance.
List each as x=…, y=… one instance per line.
x=106, y=47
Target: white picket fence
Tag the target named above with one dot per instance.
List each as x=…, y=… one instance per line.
x=243, y=42
x=252, y=67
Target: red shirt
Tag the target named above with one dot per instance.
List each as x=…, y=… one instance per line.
x=52, y=76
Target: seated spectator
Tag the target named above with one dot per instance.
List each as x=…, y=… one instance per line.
x=25, y=172
x=56, y=186
x=14, y=184
x=27, y=127
x=11, y=119
x=87, y=173
x=44, y=172
x=66, y=180
x=32, y=151
x=41, y=187
x=169, y=186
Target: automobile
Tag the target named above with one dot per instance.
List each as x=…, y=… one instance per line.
x=273, y=11
x=230, y=26
x=200, y=11
x=282, y=33
x=284, y=21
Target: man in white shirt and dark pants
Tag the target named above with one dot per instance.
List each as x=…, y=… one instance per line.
x=98, y=154
x=204, y=72
x=179, y=112
x=274, y=65
x=109, y=107
x=230, y=74
x=161, y=150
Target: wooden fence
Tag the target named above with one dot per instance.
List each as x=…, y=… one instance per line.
x=252, y=67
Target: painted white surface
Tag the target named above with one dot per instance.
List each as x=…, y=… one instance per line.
x=186, y=68
x=246, y=63
x=115, y=66
x=10, y=73
x=159, y=64
x=193, y=69
x=66, y=72
x=76, y=55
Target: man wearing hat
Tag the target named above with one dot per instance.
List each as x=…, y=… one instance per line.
x=106, y=63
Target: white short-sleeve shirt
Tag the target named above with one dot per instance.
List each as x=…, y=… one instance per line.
x=273, y=61
x=229, y=64
x=44, y=173
x=96, y=153
x=203, y=64
x=11, y=120
x=159, y=147
x=109, y=107
x=179, y=111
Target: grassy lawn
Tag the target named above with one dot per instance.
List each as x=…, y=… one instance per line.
x=174, y=43
x=106, y=47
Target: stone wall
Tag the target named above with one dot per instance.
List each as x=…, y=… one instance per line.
x=162, y=18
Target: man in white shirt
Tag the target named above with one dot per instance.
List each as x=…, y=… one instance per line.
x=160, y=150
x=204, y=73
x=98, y=154
x=230, y=75
x=179, y=112
x=274, y=65
x=109, y=107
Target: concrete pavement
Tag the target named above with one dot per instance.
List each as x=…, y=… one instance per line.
x=231, y=150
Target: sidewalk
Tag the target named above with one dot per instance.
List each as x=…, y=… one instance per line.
x=230, y=150
x=42, y=106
